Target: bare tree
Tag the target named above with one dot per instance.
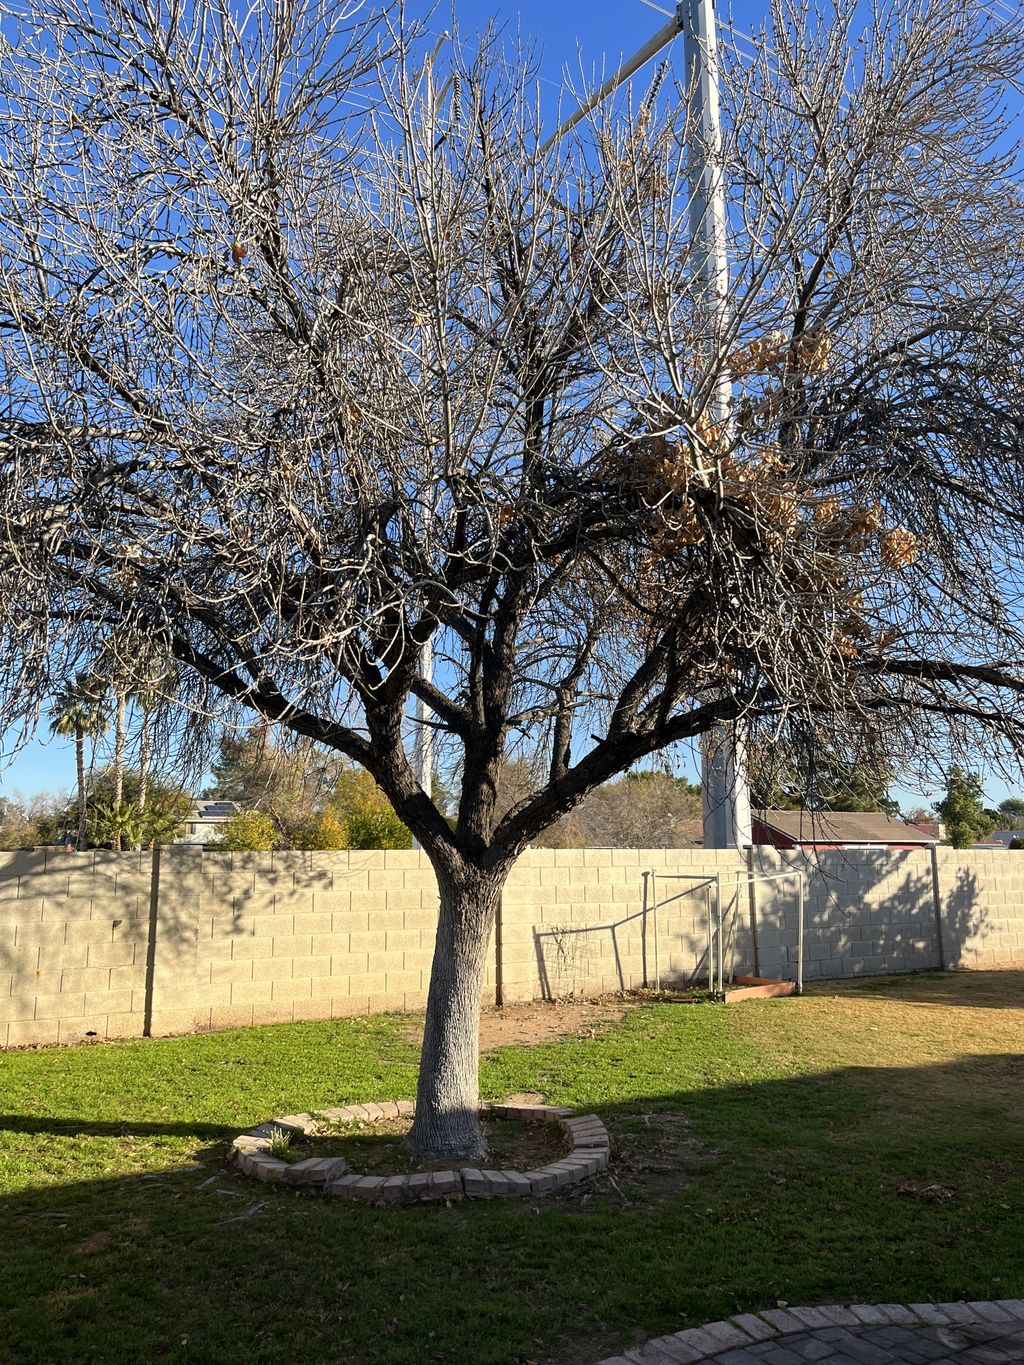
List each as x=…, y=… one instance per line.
x=295, y=391
x=642, y=810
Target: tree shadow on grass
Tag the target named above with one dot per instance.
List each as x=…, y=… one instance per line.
x=84, y=1127
x=815, y=1188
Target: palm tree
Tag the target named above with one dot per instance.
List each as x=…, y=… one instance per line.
x=156, y=677
x=113, y=666
x=78, y=710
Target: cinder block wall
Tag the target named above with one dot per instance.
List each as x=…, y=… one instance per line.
x=982, y=898
x=90, y=947
x=582, y=921
x=865, y=912
x=73, y=933
x=306, y=936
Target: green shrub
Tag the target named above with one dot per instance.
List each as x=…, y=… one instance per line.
x=374, y=826
x=251, y=831
x=329, y=831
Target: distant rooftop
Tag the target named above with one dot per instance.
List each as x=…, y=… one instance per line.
x=213, y=811
x=201, y=824
x=842, y=827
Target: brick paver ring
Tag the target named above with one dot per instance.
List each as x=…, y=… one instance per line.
x=977, y=1333
x=252, y=1151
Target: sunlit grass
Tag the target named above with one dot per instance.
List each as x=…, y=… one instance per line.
x=863, y=1142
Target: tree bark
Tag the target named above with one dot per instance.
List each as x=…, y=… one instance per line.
x=80, y=766
x=447, y=1121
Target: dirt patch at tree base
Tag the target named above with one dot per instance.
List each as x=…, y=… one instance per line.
x=542, y=1021
x=375, y=1148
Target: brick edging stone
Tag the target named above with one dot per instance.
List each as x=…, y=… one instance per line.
x=251, y=1150
x=777, y=1324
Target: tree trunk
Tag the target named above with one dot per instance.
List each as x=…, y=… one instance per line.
x=80, y=765
x=447, y=1122
x=118, y=763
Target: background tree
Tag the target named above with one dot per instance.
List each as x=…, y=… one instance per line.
x=962, y=810
x=160, y=821
x=295, y=394
x=314, y=797
x=919, y=815
x=1012, y=812
x=78, y=712
x=641, y=810
x=29, y=821
x=799, y=776
x=250, y=831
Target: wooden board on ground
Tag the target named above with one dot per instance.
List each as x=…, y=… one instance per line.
x=758, y=988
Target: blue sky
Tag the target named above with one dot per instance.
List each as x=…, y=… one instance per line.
x=596, y=33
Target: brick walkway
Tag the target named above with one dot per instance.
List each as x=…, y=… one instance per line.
x=863, y=1334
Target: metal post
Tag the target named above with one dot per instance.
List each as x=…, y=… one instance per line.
x=657, y=966
x=718, y=917
x=711, y=940
x=800, y=938
x=752, y=902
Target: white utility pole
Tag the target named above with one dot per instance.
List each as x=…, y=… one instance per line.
x=423, y=740
x=724, y=788
x=423, y=737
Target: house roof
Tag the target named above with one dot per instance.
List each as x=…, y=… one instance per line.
x=1000, y=838
x=213, y=812
x=842, y=827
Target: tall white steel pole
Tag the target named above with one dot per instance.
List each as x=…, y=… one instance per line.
x=724, y=788
x=726, y=794
x=423, y=740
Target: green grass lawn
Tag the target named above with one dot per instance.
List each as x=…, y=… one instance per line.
x=862, y=1143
